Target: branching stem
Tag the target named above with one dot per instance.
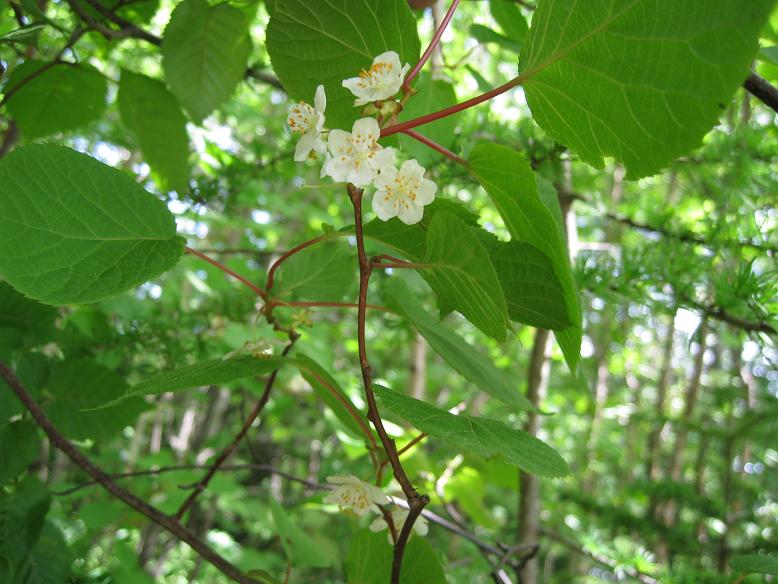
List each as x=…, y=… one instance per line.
x=257, y=290
x=431, y=48
x=435, y=146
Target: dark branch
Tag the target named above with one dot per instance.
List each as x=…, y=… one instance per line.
x=761, y=89
x=133, y=501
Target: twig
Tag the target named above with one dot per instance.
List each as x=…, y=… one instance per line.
x=221, y=459
x=316, y=304
x=433, y=43
x=271, y=273
x=435, y=146
x=127, y=28
x=416, y=501
x=259, y=291
x=133, y=501
x=761, y=89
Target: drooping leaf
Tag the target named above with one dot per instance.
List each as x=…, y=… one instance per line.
x=300, y=549
x=205, y=51
x=62, y=97
x=151, y=112
x=463, y=358
x=217, y=371
x=27, y=316
x=462, y=276
x=640, y=80
x=86, y=400
x=482, y=436
x=76, y=230
x=532, y=290
x=433, y=94
x=402, y=239
x=510, y=183
x=485, y=35
x=49, y=561
x=24, y=35
x=22, y=514
x=330, y=392
x=19, y=447
x=324, y=272
x=761, y=563
x=328, y=42
x=369, y=560
x=508, y=15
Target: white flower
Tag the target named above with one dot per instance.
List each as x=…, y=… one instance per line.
x=403, y=194
x=357, y=157
x=382, y=81
x=398, y=518
x=309, y=121
x=355, y=495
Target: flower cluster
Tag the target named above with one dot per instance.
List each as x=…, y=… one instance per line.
x=358, y=497
x=356, y=157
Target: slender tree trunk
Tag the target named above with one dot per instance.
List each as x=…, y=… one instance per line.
x=419, y=367
x=663, y=381
x=529, y=485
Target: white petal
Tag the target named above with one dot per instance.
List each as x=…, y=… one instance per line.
x=361, y=176
x=366, y=129
x=338, y=140
x=387, y=176
x=411, y=214
x=383, y=206
x=320, y=100
x=304, y=146
x=342, y=479
x=384, y=159
x=425, y=194
x=405, y=70
x=376, y=494
x=412, y=169
x=378, y=524
x=421, y=526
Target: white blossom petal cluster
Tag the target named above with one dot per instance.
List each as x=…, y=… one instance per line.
x=355, y=495
x=356, y=157
x=421, y=527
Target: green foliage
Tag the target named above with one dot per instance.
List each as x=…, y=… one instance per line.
x=205, y=52
x=763, y=564
x=19, y=447
x=529, y=217
x=433, y=94
x=333, y=41
x=486, y=438
x=22, y=515
x=508, y=15
x=298, y=546
x=151, y=112
x=58, y=98
x=322, y=272
x=642, y=81
x=369, y=561
x=82, y=241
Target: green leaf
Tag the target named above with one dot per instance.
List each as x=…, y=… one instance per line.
x=62, y=97
x=484, y=437
x=326, y=272
x=532, y=290
x=19, y=447
x=49, y=561
x=216, y=372
x=508, y=15
x=76, y=230
x=640, y=80
x=432, y=95
x=84, y=397
x=25, y=35
x=205, y=51
x=22, y=514
x=761, y=563
x=300, y=549
x=529, y=217
x=369, y=560
x=485, y=35
x=325, y=387
x=29, y=317
x=328, y=42
x=463, y=358
x=462, y=276
x=408, y=240
x=151, y=112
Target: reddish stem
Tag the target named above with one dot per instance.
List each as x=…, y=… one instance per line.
x=426, y=119
x=433, y=43
x=259, y=291
x=328, y=305
x=400, y=265
x=271, y=274
x=435, y=146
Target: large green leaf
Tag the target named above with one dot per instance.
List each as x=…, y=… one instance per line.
x=75, y=230
x=484, y=437
x=323, y=272
x=151, y=112
x=49, y=561
x=22, y=514
x=463, y=358
x=532, y=290
x=30, y=318
x=83, y=400
x=369, y=561
x=530, y=218
x=640, y=80
x=432, y=95
x=214, y=372
x=19, y=446
x=462, y=276
x=205, y=52
x=300, y=549
x=329, y=41
x=63, y=97
x=508, y=15
x=330, y=392
x=764, y=564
